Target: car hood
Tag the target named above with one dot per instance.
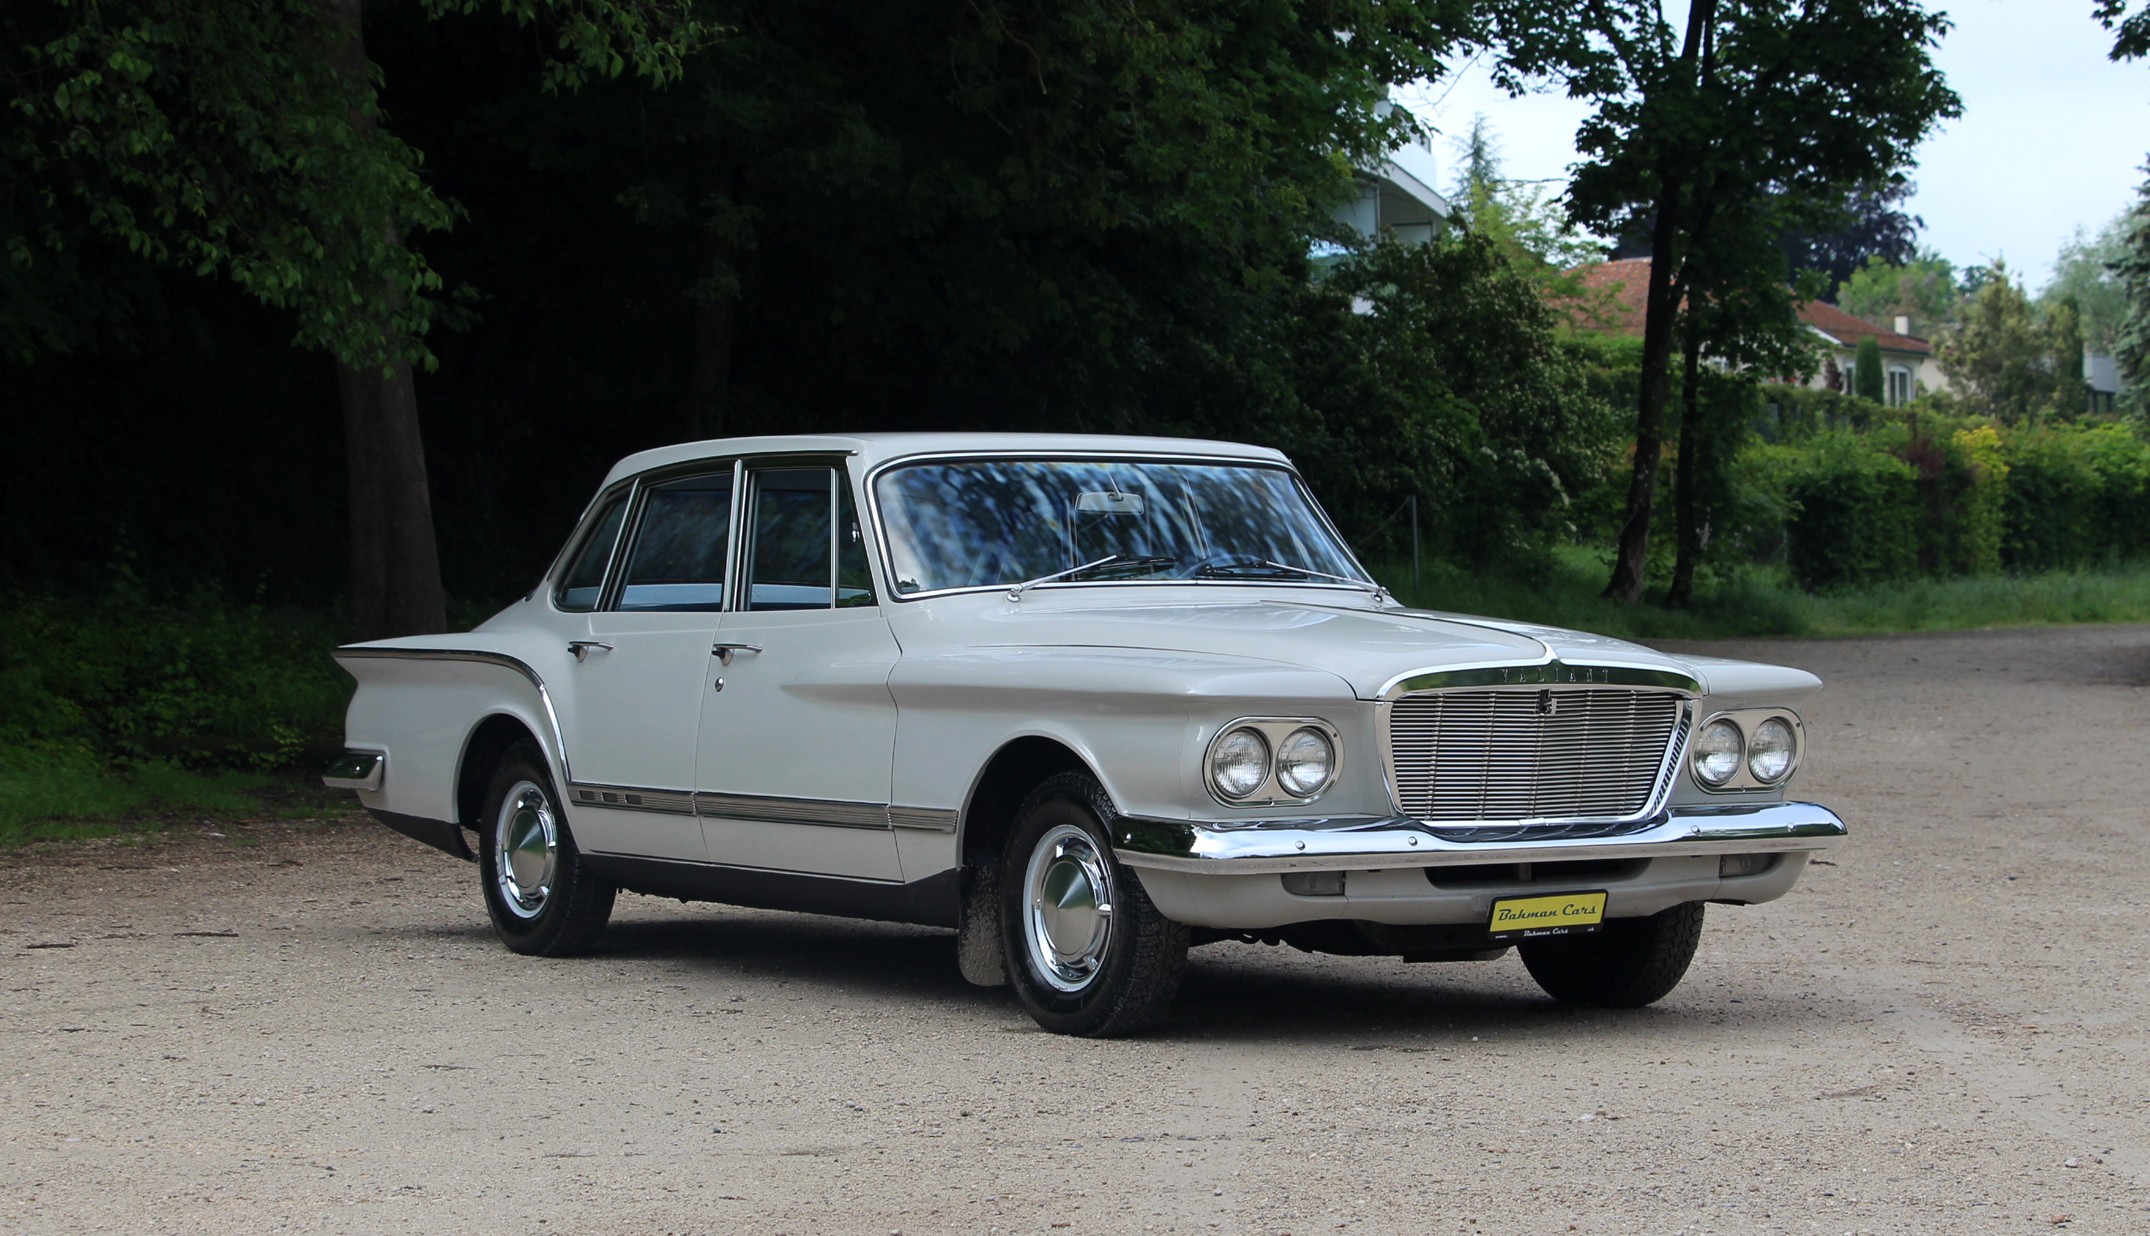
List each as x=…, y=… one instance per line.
x=1368, y=648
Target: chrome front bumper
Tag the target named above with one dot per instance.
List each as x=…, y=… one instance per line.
x=1367, y=844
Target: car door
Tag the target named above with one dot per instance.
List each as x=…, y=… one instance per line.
x=798, y=727
x=638, y=682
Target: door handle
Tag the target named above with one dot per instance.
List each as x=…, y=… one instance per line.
x=725, y=652
x=582, y=648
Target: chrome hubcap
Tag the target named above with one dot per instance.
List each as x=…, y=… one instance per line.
x=1068, y=889
x=526, y=848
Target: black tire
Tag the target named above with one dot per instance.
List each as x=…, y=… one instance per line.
x=1076, y=969
x=1631, y=963
x=542, y=898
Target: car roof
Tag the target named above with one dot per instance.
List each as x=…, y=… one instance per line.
x=875, y=449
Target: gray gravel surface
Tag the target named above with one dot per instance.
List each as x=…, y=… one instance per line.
x=311, y=1028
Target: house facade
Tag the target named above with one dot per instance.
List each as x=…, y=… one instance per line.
x=1615, y=297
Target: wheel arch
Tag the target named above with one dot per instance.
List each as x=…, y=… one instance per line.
x=490, y=739
x=1006, y=780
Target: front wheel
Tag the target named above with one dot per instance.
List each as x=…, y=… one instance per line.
x=1083, y=947
x=541, y=896
x=1631, y=962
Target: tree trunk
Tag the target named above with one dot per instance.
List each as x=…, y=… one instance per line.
x=395, y=562
x=1631, y=560
x=1686, y=512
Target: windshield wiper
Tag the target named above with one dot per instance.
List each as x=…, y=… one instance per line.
x=1015, y=593
x=1264, y=568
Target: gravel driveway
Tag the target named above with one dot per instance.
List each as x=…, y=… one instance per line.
x=311, y=1028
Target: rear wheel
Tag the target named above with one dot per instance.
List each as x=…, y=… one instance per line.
x=1630, y=963
x=1083, y=947
x=541, y=896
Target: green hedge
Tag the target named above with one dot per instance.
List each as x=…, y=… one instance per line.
x=2076, y=497
x=1854, y=514
x=1918, y=494
x=128, y=683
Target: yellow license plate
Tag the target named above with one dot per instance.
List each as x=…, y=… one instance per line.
x=1561, y=914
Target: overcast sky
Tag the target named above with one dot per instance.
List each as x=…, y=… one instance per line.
x=2053, y=135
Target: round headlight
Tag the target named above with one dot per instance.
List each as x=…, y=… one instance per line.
x=1771, y=751
x=1239, y=763
x=1305, y=762
x=1717, y=753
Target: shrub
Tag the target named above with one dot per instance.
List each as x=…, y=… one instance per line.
x=1854, y=514
x=2076, y=496
x=204, y=684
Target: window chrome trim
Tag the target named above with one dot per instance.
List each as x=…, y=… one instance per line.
x=871, y=480
x=555, y=579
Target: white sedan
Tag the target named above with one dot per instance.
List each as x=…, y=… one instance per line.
x=1089, y=701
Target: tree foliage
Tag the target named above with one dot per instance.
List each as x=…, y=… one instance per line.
x=226, y=139
x=1525, y=222
x=2083, y=273
x=1866, y=379
x=2008, y=363
x=2131, y=31
x=1871, y=226
x=2131, y=271
x=1923, y=289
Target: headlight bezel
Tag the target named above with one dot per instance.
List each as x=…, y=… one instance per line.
x=1274, y=732
x=1754, y=751
x=1747, y=723
x=1213, y=764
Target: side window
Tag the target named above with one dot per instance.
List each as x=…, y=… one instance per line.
x=585, y=574
x=788, y=562
x=677, y=562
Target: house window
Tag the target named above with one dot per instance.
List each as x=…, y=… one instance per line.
x=1899, y=386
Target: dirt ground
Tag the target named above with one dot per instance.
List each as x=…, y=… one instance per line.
x=311, y=1028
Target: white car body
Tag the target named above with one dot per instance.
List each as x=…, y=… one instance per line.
x=867, y=756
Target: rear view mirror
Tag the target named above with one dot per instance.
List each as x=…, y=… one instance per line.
x=1107, y=502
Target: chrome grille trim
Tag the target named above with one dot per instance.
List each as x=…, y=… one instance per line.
x=1522, y=756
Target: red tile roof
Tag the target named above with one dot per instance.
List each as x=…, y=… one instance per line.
x=1615, y=300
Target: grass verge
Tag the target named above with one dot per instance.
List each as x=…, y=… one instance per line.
x=51, y=797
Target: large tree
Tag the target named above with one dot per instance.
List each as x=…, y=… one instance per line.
x=2084, y=273
x=1760, y=115
x=2010, y=363
x=2131, y=265
x=1871, y=225
x=244, y=141
x=1923, y=290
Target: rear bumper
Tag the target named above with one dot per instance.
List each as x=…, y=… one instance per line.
x=1233, y=848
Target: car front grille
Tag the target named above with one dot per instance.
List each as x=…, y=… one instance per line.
x=1547, y=754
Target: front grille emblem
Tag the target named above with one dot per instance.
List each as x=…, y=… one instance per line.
x=1546, y=706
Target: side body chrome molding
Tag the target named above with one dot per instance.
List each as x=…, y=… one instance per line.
x=766, y=809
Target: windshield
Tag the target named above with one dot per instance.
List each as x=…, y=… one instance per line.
x=977, y=523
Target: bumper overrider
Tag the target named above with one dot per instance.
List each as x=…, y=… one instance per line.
x=1211, y=847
